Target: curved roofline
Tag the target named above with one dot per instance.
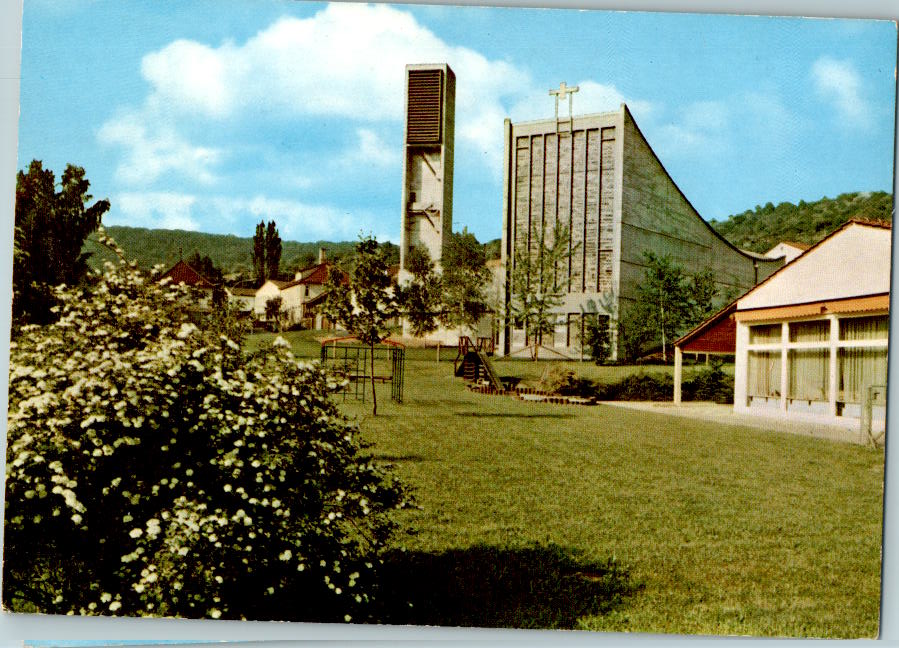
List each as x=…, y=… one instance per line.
x=749, y=255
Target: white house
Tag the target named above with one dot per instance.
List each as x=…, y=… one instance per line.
x=789, y=250
x=812, y=338
x=243, y=299
x=298, y=294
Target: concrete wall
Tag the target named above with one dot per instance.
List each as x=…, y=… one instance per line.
x=657, y=217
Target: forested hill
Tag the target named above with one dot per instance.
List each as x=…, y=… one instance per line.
x=232, y=254
x=761, y=229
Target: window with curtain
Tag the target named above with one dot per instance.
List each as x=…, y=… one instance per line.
x=764, y=373
x=865, y=328
x=814, y=331
x=764, y=334
x=808, y=374
x=858, y=369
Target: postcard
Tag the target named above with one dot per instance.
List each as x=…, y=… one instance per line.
x=450, y=316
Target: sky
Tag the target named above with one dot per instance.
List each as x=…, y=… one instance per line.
x=212, y=116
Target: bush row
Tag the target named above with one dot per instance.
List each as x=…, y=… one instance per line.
x=711, y=384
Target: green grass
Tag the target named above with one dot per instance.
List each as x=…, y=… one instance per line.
x=522, y=508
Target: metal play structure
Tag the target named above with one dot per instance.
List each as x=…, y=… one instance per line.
x=352, y=360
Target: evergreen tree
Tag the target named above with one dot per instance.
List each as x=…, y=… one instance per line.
x=272, y=251
x=259, y=266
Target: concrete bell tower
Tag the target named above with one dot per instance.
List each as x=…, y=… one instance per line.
x=427, y=212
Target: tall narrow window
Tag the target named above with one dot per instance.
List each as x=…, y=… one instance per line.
x=808, y=373
x=860, y=368
x=764, y=374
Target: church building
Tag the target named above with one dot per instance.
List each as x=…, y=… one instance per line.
x=599, y=176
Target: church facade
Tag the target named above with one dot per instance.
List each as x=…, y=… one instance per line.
x=599, y=176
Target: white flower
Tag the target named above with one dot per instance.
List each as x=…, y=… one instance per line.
x=115, y=605
x=285, y=555
x=135, y=533
x=186, y=330
x=215, y=614
x=281, y=342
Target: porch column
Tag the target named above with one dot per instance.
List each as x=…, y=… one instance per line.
x=678, y=371
x=784, y=377
x=832, y=379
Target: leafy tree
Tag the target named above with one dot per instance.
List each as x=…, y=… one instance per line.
x=205, y=266
x=154, y=467
x=272, y=251
x=667, y=303
x=703, y=294
x=537, y=289
x=421, y=297
x=50, y=228
x=364, y=302
x=273, y=308
x=464, y=277
x=259, y=265
x=599, y=319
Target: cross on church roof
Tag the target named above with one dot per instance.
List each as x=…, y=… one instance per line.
x=563, y=91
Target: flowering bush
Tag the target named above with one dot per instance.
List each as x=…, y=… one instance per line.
x=155, y=468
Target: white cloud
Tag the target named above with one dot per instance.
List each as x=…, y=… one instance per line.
x=166, y=210
x=591, y=97
x=297, y=220
x=372, y=150
x=839, y=83
x=347, y=60
x=152, y=149
x=701, y=130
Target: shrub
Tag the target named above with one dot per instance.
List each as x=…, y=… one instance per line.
x=642, y=386
x=154, y=468
x=710, y=384
x=566, y=383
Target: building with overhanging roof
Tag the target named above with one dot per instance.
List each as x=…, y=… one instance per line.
x=811, y=340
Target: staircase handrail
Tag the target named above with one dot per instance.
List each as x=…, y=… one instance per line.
x=464, y=343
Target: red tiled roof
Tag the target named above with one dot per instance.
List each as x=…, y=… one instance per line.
x=183, y=273
x=318, y=275
x=243, y=292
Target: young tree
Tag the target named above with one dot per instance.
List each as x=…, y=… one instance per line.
x=421, y=297
x=537, y=289
x=598, y=319
x=259, y=265
x=155, y=467
x=273, y=309
x=50, y=228
x=272, y=251
x=463, y=281
x=367, y=302
x=667, y=303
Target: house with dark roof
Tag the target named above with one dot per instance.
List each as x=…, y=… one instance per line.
x=300, y=297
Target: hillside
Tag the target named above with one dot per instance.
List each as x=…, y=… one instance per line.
x=761, y=229
x=231, y=253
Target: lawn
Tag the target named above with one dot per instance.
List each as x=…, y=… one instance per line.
x=600, y=518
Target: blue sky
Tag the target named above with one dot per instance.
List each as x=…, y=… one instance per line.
x=212, y=116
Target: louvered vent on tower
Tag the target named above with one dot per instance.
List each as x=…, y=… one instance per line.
x=425, y=107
